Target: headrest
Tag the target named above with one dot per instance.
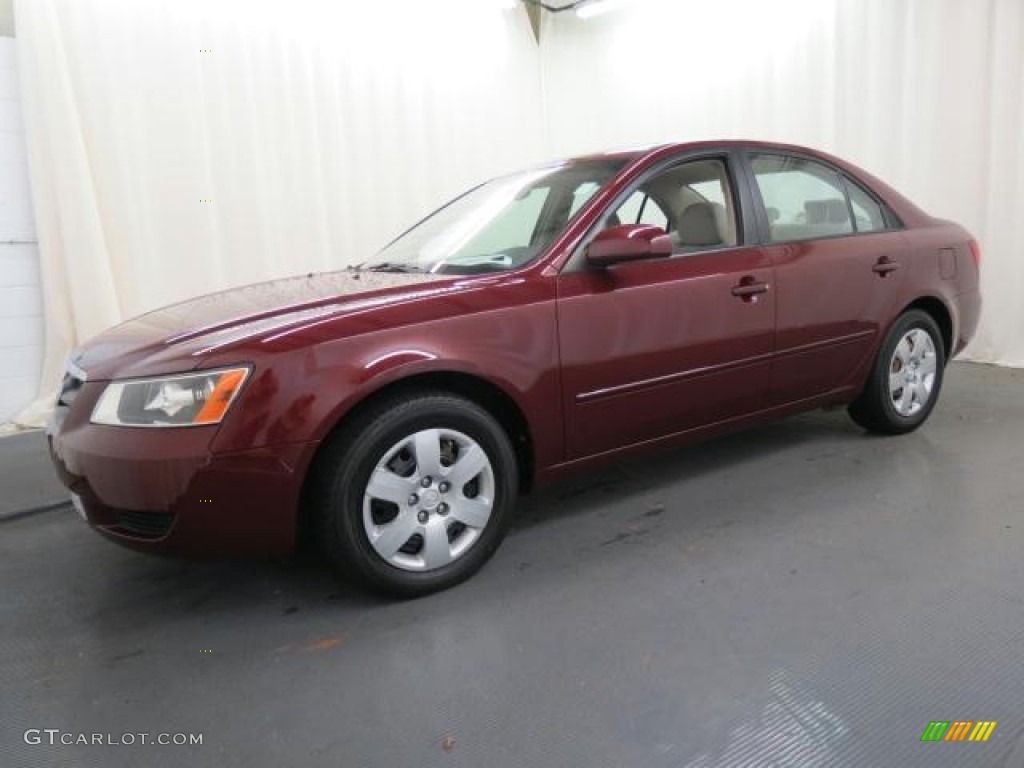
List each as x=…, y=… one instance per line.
x=826, y=211
x=698, y=226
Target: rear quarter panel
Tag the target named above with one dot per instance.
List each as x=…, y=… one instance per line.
x=942, y=267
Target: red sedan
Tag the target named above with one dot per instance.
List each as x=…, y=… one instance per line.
x=542, y=322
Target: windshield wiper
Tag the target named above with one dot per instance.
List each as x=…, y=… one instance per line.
x=389, y=266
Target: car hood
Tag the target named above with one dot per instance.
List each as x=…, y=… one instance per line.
x=158, y=341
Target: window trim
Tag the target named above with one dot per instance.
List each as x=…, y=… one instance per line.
x=643, y=209
x=747, y=231
x=892, y=221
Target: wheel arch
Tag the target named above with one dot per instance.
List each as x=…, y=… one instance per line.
x=485, y=393
x=940, y=313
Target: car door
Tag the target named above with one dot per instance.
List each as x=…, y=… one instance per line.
x=838, y=256
x=658, y=347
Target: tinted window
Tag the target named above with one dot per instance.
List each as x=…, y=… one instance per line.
x=500, y=225
x=641, y=209
x=867, y=213
x=691, y=201
x=713, y=190
x=582, y=196
x=804, y=200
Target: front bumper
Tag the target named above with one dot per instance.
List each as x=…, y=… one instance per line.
x=163, y=490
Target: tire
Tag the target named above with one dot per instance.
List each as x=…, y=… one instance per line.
x=428, y=520
x=905, y=379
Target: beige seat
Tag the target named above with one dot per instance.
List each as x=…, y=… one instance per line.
x=701, y=226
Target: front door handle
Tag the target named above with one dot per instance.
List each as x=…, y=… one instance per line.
x=884, y=266
x=748, y=289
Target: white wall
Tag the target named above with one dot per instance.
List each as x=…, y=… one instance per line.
x=21, y=322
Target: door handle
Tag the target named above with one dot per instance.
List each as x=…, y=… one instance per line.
x=748, y=288
x=884, y=266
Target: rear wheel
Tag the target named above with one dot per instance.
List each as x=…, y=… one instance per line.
x=416, y=494
x=906, y=378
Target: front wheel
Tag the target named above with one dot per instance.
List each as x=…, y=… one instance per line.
x=906, y=378
x=416, y=494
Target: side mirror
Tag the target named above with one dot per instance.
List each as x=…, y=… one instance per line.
x=628, y=242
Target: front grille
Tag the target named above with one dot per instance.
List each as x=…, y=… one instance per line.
x=144, y=525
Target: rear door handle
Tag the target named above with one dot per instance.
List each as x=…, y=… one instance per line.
x=748, y=288
x=884, y=266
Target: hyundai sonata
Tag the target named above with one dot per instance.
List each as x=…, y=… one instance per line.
x=543, y=322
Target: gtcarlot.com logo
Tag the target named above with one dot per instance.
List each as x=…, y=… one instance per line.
x=55, y=737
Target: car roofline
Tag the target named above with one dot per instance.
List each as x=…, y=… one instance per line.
x=906, y=210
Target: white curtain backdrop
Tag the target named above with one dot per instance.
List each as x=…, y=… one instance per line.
x=317, y=129
x=927, y=94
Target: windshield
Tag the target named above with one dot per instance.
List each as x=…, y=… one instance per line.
x=500, y=225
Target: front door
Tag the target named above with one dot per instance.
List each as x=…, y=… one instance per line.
x=659, y=347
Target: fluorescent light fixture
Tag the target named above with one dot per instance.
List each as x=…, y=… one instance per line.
x=597, y=7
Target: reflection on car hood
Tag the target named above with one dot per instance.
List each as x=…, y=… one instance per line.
x=159, y=339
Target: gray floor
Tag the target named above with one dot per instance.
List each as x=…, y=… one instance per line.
x=799, y=594
x=27, y=481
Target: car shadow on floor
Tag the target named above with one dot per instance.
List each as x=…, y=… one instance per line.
x=675, y=466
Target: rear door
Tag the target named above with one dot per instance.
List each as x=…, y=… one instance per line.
x=840, y=261
x=658, y=347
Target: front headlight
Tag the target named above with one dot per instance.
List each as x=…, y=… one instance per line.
x=191, y=399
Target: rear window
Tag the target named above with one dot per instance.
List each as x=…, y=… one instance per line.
x=804, y=200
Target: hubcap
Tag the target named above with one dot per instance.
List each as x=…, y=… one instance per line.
x=428, y=499
x=912, y=372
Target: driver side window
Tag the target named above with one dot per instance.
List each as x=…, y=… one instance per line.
x=692, y=202
x=641, y=208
